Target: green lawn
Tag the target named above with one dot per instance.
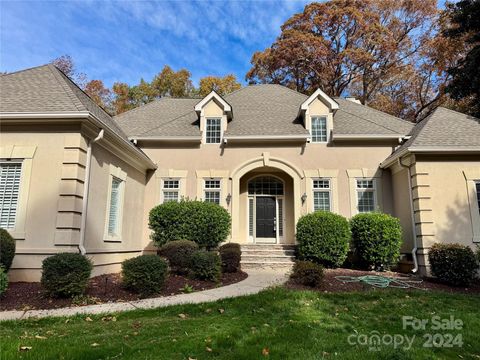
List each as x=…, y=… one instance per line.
x=276, y=324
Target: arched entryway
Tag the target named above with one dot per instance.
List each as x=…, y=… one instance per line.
x=266, y=202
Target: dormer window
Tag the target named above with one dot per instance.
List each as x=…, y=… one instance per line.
x=213, y=130
x=319, y=129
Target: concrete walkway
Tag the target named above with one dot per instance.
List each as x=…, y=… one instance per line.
x=257, y=280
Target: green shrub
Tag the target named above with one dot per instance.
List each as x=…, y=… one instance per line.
x=307, y=273
x=205, y=223
x=453, y=264
x=178, y=254
x=205, y=265
x=376, y=239
x=230, y=255
x=144, y=274
x=3, y=280
x=7, y=249
x=323, y=237
x=66, y=274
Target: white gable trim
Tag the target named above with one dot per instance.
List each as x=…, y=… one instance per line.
x=213, y=95
x=332, y=104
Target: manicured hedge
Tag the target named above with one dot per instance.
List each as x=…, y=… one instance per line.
x=453, y=264
x=205, y=223
x=377, y=239
x=230, y=255
x=144, y=274
x=205, y=265
x=7, y=249
x=66, y=274
x=3, y=280
x=324, y=238
x=307, y=273
x=178, y=254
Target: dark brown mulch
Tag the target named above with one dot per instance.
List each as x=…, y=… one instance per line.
x=332, y=285
x=101, y=289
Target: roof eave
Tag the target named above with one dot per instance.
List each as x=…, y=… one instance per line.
x=301, y=137
x=347, y=137
x=166, y=138
x=429, y=150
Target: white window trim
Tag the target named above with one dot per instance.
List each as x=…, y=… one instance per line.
x=115, y=172
x=170, y=174
x=25, y=154
x=472, y=176
x=220, y=118
x=364, y=190
x=328, y=190
x=327, y=128
x=365, y=174
x=219, y=189
x=212, y=174
x=164, y=189
x=314, y=174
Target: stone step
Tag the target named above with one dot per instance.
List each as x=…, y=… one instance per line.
x=263, y=258
x=267, y=247
x=274, y=252
x=266, y=264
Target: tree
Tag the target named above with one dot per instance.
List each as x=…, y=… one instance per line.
x=99, y=93
x=171, y=83
x=370, y=49
x=465, y=24
x=66, y=65
x=222, y=85
x=122, y=101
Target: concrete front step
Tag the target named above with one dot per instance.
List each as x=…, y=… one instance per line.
x=267, y=247
x=269, y=252
x=263, y=258
x=265, y=264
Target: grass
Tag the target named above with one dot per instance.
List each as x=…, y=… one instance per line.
x=275, y=324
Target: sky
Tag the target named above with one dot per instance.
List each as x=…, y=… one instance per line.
x=128, y=40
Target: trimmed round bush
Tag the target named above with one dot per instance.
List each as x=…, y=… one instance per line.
x=66, y=274
x=144, y=274
x=178, y=254
x=376, y=238
x=307, y=273
x=3, y=280
x=453, y=264
x=230, y=255
x=205, y=223
x=7, y=249
x=323, y=237
x=205, y=265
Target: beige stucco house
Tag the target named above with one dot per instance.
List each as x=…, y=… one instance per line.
x=75, y=179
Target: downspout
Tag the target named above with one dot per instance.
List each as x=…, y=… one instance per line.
x=86, y=187
x=414, y=232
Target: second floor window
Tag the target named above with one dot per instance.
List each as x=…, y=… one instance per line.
x=212, y=190
x=170, y=190
x=321, y=194
x=365, y=196
x=319, y=129
x=10, y=174
x=213, y=131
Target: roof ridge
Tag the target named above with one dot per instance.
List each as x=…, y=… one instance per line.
x=166, y=123
x=23, y=70
x=75, y=100
x=454, y=111
x=154, y=101
x=379, y=111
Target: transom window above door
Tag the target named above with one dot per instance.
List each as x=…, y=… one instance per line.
x=265, y=185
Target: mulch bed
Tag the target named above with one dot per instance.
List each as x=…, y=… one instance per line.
x=332, y=285
x=101, y=289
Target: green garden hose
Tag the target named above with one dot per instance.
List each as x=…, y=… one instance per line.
x=381, y=281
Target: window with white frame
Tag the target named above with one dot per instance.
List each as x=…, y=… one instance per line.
x=10, y=175
x=212, y=190
x=213, y=130
x=170, y=190
x=365, y=195
x=321, y=195
x=114, y=212
x=319, y=129
x=477, y=187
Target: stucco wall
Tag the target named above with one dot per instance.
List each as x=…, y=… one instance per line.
x=402, y=207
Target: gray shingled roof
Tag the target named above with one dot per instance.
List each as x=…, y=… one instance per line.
x=444, y=129
x=45, y=89
x=267, y=109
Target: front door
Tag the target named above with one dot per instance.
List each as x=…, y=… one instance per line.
x=265, y=222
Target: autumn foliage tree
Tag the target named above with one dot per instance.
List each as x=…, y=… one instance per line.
x=221, y=85
x=388, y=53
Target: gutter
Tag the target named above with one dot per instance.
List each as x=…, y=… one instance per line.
x=164, y=138
x=267, y=137
x=414, y=231
x=366, y=137
x=86, y=188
